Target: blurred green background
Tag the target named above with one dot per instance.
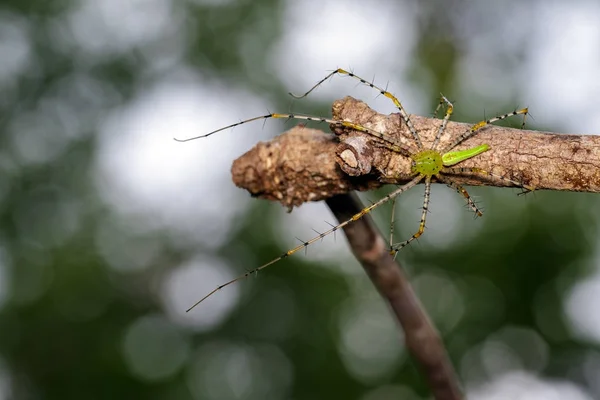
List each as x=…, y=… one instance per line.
x=110, y=230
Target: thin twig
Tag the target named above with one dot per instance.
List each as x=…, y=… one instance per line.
x=422, y=339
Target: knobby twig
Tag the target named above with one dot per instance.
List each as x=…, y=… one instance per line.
x=304, y=164
x=422, y=339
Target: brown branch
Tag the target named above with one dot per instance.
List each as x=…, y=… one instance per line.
x=422, y=339
x=302, y=164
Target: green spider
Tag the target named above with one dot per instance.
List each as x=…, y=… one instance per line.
x=426, y=165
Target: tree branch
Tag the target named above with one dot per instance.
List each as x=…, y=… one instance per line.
x=422, y=339
x=302, y=164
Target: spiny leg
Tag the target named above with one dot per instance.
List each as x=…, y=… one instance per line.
x=437, y=109
x=396, y=248
x=392, y=143
x=392, y=223
x=331, y=74
x=384, y=92
x=304, y=245
x=440, y=104
x=462, y=191
x=449, y=110
x=480, y=125
x=479, y=171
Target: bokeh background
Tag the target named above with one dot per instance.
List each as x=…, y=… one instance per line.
x=109, y=229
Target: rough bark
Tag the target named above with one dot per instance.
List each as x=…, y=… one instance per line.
x=308, y=165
